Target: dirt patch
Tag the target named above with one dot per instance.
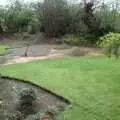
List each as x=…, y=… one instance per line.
x=10, y=103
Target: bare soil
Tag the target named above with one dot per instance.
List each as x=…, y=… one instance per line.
x=9, y=99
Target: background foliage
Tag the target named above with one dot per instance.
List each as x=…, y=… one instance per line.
x=89, y=20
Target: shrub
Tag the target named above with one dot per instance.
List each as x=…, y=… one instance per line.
x=26, y=36
x=27, y=96
x=16, y=116
x=76, y=51
x=111, y=44
x=51, y=112
x=31, y=29
x=91, y=39
x=37, y=116
x=74, y=40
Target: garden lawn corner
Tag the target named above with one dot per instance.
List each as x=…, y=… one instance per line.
x=91, y=84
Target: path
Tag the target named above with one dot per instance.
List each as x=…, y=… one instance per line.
x=38, y=52
x=35, y=52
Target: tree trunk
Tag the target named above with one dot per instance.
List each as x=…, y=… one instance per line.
x=1, y=33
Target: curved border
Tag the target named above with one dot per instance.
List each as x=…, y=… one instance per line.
x=38, y=86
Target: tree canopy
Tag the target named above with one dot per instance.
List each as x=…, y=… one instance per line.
x=87, y=18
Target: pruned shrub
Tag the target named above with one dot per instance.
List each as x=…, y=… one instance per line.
x=111, y=44
x=76, y=51
x=27, y=96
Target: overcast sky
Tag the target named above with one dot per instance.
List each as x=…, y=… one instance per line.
x=3, y=2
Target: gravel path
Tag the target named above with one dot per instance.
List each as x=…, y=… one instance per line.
x=35, y=52
x=40, y=52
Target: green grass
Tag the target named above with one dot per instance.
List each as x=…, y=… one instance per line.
x=3, y=49
x=92, y=84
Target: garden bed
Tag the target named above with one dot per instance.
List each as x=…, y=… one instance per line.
x=46, y=101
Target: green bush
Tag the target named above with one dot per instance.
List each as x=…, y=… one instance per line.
x=111, y=44
x=37, y=116
x=31, y=29
x=16, y=116
x=26, y=36
x=51, y=111
x=74, y=40
x=76, y=51
x=27, y=96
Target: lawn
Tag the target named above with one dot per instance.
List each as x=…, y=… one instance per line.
x=3, y=49
x=92, y=84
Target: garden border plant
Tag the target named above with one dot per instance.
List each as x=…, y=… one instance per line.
x=27, y=96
